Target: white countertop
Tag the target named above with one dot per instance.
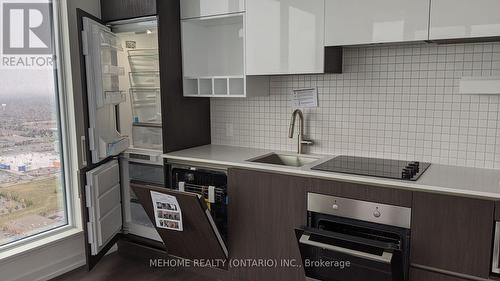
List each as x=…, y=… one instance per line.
x=470, y=182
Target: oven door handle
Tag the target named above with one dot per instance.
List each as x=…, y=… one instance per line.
x=386, y=257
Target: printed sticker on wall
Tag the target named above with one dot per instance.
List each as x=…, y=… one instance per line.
x=167, y=211
x=304, y=98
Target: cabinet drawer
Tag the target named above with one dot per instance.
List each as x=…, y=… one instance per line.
x=452, y=233
x=147, y=173
x=147, y=136
x=424, y=275
x=362, y=192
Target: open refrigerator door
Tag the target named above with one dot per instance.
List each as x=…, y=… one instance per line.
x=101, y=48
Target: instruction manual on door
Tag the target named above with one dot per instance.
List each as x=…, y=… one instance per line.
x=167, y=211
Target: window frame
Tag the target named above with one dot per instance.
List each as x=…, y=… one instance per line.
x=68, y=142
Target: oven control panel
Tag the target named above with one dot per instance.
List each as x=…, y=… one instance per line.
x=360, y=210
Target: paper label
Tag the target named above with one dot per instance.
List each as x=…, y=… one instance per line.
x=167, y=211
x=304, y=98
x=211, y=194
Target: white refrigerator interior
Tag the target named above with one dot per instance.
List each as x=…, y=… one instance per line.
x=140, y=114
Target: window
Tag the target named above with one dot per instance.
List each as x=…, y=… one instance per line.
x=32, y=181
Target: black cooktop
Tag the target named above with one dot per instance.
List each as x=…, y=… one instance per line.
x=385, y=168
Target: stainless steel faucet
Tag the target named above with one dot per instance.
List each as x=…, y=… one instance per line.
x=300, y=135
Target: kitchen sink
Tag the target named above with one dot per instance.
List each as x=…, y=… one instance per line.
x=284, y=159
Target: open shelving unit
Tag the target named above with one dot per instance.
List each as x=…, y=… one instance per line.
x=214, y=86
x=213, y=57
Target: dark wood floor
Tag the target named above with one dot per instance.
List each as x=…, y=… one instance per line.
x=116, y=268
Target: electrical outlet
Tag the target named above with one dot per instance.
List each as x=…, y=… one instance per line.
x=229, y=130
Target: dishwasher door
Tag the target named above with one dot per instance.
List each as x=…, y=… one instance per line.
x=184, y=223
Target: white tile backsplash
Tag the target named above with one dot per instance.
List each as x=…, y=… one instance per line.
x=394, y=101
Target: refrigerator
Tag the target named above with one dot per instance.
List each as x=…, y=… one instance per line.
x=124, y=190
x=122, y=88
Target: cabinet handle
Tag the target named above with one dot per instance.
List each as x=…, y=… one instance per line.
x=495, y=267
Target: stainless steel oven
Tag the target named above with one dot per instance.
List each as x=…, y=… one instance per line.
x=353, y=240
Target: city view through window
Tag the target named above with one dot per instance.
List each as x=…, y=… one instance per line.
x=32, y=198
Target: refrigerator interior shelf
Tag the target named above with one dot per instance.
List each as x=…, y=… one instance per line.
x=141, y=60
x=146, y=105
x=145, y=79
x=143, y=52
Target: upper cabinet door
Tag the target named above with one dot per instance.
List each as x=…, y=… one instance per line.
x=284, y=36
x=364, y=22
x=451, y=19
x=203, y=8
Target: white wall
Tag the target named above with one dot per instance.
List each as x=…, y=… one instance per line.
x=46, y=262
x=393, y=101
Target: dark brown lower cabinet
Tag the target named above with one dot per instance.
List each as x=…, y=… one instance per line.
x=424, y=275
x=264, y=209
x=452, y=233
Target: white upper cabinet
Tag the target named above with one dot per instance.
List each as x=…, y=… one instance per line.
x=351, y=22
x=284, y=36
x=203, y=8
x=213, y=58
x=452, y=19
